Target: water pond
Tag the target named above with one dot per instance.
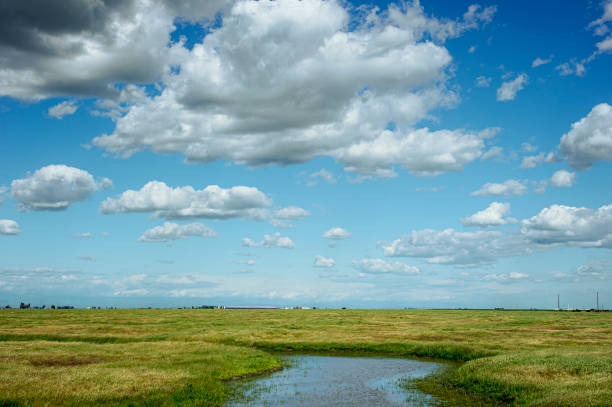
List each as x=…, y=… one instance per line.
x=326, y=381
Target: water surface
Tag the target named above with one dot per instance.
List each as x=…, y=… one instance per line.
x=326, y=381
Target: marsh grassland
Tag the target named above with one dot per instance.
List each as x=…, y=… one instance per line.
x=187, y=357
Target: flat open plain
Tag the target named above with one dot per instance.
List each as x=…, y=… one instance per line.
x=187, y=357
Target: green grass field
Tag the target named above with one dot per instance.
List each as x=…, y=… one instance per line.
x=186, y=357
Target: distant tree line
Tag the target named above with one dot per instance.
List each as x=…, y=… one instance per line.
x=23, y=305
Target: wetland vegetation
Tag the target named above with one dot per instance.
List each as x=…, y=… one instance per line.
x=188, y=357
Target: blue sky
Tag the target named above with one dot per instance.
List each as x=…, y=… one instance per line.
x=315, y=153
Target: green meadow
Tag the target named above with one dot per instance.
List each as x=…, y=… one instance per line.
x=189, y=357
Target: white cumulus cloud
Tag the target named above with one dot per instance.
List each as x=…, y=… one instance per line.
x=590, y=139
x=507, y=188
x=509, y=89
x=605, y=45
x=283, y=82
x=324, y=262
x=55, y=188
x=606, y=17
x=83, y=48
x=9, y=227
x=572, y=226
x=494, y=215
x=212, y=202
x=572, y=67
x=62, y=109
x=270, y=241
x=492, y=152
x=464, y=249
x=563, y=179
x=337, y=233
x=291, y=213
x=171, y=231
x=533, y=161
x=421, y=152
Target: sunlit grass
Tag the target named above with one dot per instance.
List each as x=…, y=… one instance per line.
x=80, y=373
x=119, y=356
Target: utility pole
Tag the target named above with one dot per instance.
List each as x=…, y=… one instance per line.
x=597, y=300
x=558, y=306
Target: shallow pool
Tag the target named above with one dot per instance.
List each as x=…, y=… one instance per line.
x=313, y=381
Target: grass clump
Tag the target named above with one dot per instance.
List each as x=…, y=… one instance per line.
x=161, y=373
x=541, y=378
x=441, y=351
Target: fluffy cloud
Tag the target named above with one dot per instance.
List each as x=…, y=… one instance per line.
x=605, y=45
x=494, y=215
x=568, y=225
x=466, y=249
x=212, y=202
x=590, y=139
x=380, y=266
x=563, y=179
x=572, y=67
x=601, y=28
x=55, y=188
x=324, y=262
x=291, y=213
x=65, y=108
x=554, y=226
x=532, y=161
x=421, y=152
x=606, y=17
x=492, y=152
x=171, y=231
x=508, y=188
x=270, y=241
x=508, y=90
x=75, y=47
x=489, y=132
x=9, y=227
x=86, y=235
x=282, y=82
x=288, y=213
x=337, y=234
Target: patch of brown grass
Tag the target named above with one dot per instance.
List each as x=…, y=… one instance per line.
x=65, y=361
